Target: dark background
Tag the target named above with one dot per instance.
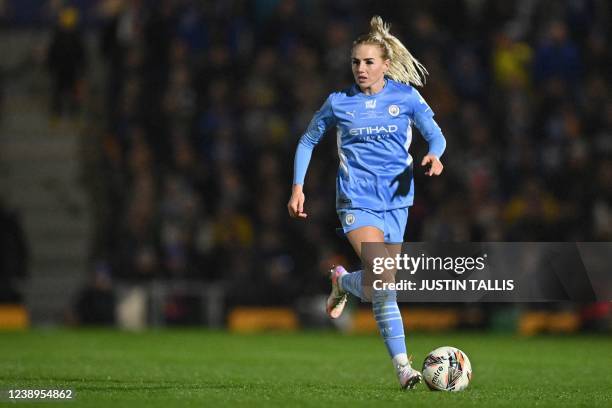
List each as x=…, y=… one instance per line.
x=190, y=111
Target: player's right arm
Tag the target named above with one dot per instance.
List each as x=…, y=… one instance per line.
x=323, y=119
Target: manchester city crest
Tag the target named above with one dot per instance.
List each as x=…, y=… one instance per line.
x=394, y=110
x=349, y=219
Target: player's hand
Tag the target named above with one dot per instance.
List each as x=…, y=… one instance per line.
x=296, y=202
x=435, y=165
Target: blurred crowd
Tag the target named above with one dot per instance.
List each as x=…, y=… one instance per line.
x=14, y=255
x=205, y=102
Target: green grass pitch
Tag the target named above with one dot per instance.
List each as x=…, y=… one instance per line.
x=198, y=368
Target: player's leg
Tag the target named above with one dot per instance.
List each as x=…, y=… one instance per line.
x=342, y=281
x=353, y=220
x=395, y=225
x=352, y=282
x=385, y=308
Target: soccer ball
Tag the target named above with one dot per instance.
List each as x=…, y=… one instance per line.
x=447, y=369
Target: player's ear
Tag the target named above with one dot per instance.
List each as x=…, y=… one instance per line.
x=386, y=65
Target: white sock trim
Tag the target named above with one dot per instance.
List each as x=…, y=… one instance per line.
x=400, y=359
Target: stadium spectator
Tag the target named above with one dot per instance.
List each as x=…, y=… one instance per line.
x=95, y=304
x=67, y=62
x=557, y=57
x=14, y=255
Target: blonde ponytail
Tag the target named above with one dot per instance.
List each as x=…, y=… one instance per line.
x=403, y=66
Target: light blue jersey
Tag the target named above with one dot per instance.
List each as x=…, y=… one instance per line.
x=373, y=135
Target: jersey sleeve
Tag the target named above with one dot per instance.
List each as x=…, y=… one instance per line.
x=422, y=116
x=322, y=120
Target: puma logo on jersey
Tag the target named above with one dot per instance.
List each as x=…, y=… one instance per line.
x=351, y=114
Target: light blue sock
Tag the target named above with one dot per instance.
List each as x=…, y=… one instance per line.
x=386, y=313
x=389, y=321
x=351, y=283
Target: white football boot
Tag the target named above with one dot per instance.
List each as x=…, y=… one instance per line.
x=408, y=376
x=337, y=298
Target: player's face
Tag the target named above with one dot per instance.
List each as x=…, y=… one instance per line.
x=369, y=67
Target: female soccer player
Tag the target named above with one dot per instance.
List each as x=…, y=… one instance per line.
x=374, y=187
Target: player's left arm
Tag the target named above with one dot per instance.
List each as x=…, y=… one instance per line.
x=422, y=115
